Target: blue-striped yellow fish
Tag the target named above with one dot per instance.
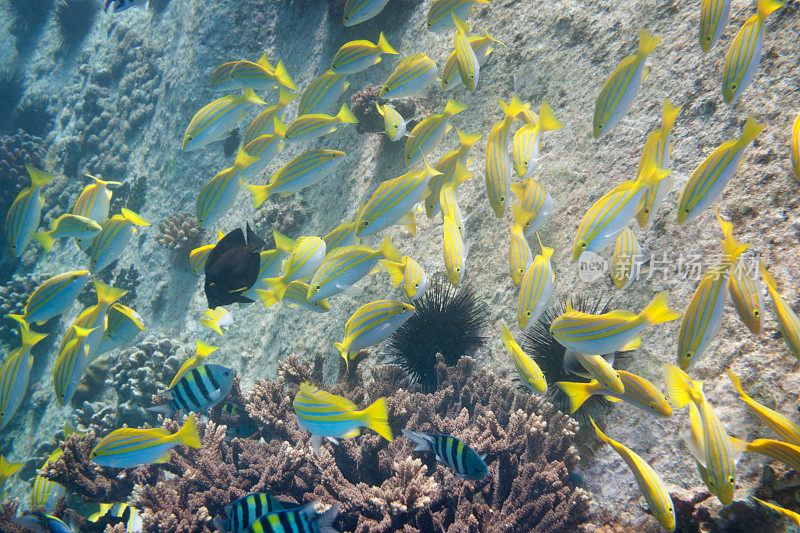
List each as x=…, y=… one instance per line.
x=482, y=46
x=202, y=350
x=199, y=390
x=519, y=254
x=94, y=201
x=788, y=321
x=322, y=93
x=695, y=441
x=781, y=425
x=410, y=78
x=25, y=212
x=116, y=233
x=15, y=372
x=122, y=325
x=466, y=60
x=198, y=256
x=215, y=120
x=265, y=122
x=610, y=214
x=342, y=235
x=638, y=392
x=218, y=195
x=528, y=371
x=746, y=294
x=455, y=253
x=596, y=367
x=788, y=513
x=356, y=56
x=269, y=266
x=408, y=272
x=659, y=149
x=54, y=296
x=345, y=266
x=710, y=177
x=619, y=91
x=301, y=172
x=626, y=260
x=327, y=416
x=242, y=513
x=7, y=469
x=217, y=320
x=310, y=127
x=305, y=256
x=296, y=295
x=743, y=58
x=497, y=178
x=451, y=163
x=794, y=143
x=370, y=324
x=784, y=452
x=448, y=201
x=608, y=332
x=261, y=150
x=302, y=519
x=714, y=17
x=72, y=362
x=67, y=226
x=45, y=493
x=527, y=139
x=451, y=452
x=238, y=75
x=393, y=201
x=650, y=483
x=440, y=13
x=537, y=288
x=358, y=11
x=719, y=453
x=534, y=205
x=430, y=131
x=130, y=447
x=393, y=122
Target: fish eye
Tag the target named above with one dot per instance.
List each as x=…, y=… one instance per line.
x=755, y=314
x=730, y=479
x=366, y=223
x=528, y=313
x=646, y=211
x=502, y=198
x=686, y=210
x=227, y=373
x=458, y=269
x=416, y=285
x=583, y=245
x=733, y=87
x=528, y=225
x=318, y=287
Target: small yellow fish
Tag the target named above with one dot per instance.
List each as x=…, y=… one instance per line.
x=94, y=202
x=358, y=11
x=519, y=254
x=788, y=321
x=25, y=212
x=527, y=139
x=791, y=515
x=441, y=11
x=745, y=290
x=239, y=75
x=534, y=205
x=115, y=235
x=788, y=454
x=595, y=367
x=537, y=288
x=66, y=226
x=638, y=392
x=528, y=371
x=310, y=127
x=482, y=46
x=781, y=425
x=714, y=16
x=498, y=184
x=264, y=123
x=394, y=123
x=215, y=120
x=455, y=254
x=356, y=56
x=202, y=350
x=409, y=273
x=320, y=95
x=370, y=324
x=217, y=319
x=129, y=447
x=429, y=132
x=795, y=145
x=410, y=78
x=450, y=165
x=466, y=59
x=626, y=259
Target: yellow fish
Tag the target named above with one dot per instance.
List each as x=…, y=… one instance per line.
x=638, y=392
x=788, y=321
x=356, y=56
x=527, y=139
x=215, y=120
x=498, y=184
x=795, y=145
x=25, y=213
x=791, y=515
x=781, y=425
x=202, y=351
x=519, y=254
x=528, y=371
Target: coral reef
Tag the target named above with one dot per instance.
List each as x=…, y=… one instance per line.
x=29, y=15
x=447, y=321
x=74, y=19
x=32, y=117
x=16, y=152
x=383, y=486
x=13, y=296
x=12, y=87
x=362, y=104
x=180, y=233
x=283, y=214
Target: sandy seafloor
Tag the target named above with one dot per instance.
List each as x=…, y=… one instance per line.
x=562, y=51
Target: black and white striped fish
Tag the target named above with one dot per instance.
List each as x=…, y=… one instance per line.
x=297, y=520
x=451, y=452
x=122, y=5
x=243, y=512
x=198, y=391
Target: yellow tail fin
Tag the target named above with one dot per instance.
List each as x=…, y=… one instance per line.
x=343, y=352
x=670, y=115
x=188, y=435
x=467, y=140
x=278, y=287
x=250, y=95
x=28, y=337
x=658, y=312
x=384, y=46
x=767, y=7
x=133, y=218
x=377, y=419
x=546, y=252
x=576, y=392
x=203, y=349
x=409, y=222
x=461, y=26
x=285, y=97
x=647, y=42
x=512, y=110
x=345, y=116
x=264, y=62
x=283, y=77
x=737, y=384
x=390, y=251
x=39, y=178
x=260, y=193
x=267, y=297
x=282, y=242
x=461, y=174
x=243, y=159
x=45, y=238
x=107, y=295
x=751, y=129
x=8, y=469
x=679, y=386
x=547, y=119
x=395, y=271
x=602, y=436
x=211, y=324
x=453, y=108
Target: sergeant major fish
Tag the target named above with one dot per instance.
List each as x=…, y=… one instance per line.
x=198, y=391
x=451, y=452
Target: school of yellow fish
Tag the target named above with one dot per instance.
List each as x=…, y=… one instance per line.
x=307, y=271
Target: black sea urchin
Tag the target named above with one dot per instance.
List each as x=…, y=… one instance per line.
x=548, y=353
x=447, y=321
x=74, y=19
x=32, y=117
x=29, y=15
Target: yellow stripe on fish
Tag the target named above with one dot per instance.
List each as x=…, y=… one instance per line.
x=791, y=515
x=534, y=207
x=265, y=122
x=795, y=146
x=410, y=78
x=238, y=75
x=115, y=235
x=619, y=91
x=626, y=259
x=301, y=172
x=429, y=132
x=67, y=226
x=358, y=11
x=370, y=324
x=788, y=454
x=608, y=332
x=441, y=11
x=638, y=392
x=712, y=175
x=519, y=254
x=25, y=212
x=54, y=296
x=650, y=483
x=393, y=122
x=296, y=295
x=659, y=148
x=527, y=140
x=496, y=176
x=342, y=235
x=409, y=273
x=453, y=249
x=466, y=60
x=452, y=163
x=15, y=371
x=261, y=151
x=528, y=371
x=129, y=447
x=714, y=17
x=43, y=487
x=781, y=425
x=94, y=201
x=202, y=350
x=310, y=127
x=71, y=364
x=356, y=56
x=305, y=256
x=198, y=256
x=215, y=120
x=743, y=58
x=745, y=290
x=482, y=46
x=536, y=288
x=322, y=93
x=218, y=195
x=788, y=321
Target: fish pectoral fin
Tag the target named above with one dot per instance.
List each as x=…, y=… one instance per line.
x=355, y=432
x=234, y=291
x=612, y=399
x=164, y=459
x=316, y=442
x=739, y=447
x=632, y=345
x=333, y=440
x=696, y=452
x=215, y=395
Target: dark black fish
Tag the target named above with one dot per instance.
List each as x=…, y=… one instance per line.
x=232, y=268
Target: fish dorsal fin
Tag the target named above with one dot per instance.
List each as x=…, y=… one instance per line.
x=411, y=60
x=254, y=242
x=232, y=240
